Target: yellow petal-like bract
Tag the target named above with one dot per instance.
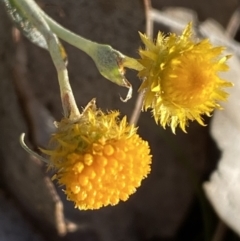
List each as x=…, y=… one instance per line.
x=99, y=159
x=180, y=78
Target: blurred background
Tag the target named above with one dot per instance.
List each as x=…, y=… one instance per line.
x=170, y=204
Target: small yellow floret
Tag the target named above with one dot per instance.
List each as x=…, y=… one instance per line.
x=99, y=159
x=180, y=78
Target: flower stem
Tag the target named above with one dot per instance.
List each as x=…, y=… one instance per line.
x=77, y=41
x=87, y=46
x=109, y=61
x=31, y=11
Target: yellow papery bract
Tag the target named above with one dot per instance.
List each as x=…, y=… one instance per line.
x=180, y=78
x=99, y=159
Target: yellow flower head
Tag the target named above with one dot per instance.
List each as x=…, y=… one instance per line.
x=180, y=78
x=99, y=159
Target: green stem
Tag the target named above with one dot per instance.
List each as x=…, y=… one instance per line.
x=31, y=11
x=77, y=41
x=85, y=45
x=109, y=61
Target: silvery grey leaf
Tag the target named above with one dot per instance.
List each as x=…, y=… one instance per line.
x=223, y=188
x=22, y=23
